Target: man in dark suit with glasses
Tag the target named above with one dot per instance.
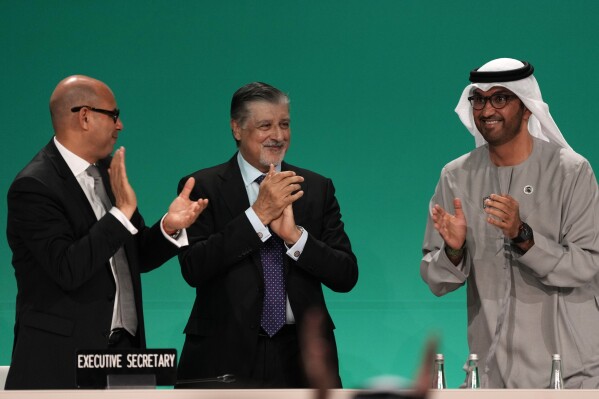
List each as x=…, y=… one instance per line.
x=79, y=243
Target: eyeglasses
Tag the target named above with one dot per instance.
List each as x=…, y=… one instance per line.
x=114, y=114
x=498, y=101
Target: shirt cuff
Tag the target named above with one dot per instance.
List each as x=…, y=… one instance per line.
x=296, y=250
x=180, y=241
x=261, y=230
x=116, y=212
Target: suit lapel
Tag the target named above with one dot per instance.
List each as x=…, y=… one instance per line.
x=235, y=196
x=69, y=183
x=233, y=190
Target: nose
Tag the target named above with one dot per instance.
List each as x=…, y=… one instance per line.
x=488, y=109
x=119, y=124
x=277, y=133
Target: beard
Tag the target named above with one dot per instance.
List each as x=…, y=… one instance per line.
x=273, y=153
x=266, y=159
x=495, y=135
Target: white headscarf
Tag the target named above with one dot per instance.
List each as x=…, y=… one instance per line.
x=540, y=123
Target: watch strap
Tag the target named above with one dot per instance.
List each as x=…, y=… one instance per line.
x=454, y=252
x=524, y=234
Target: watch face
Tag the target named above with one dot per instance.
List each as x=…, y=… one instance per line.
x=524, y=234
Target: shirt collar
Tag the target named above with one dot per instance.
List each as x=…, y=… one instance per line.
x=248, y=172
x=74, y=162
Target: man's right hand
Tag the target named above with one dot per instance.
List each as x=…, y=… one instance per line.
x=277, y=190
x=126, y=200
x=451, y=227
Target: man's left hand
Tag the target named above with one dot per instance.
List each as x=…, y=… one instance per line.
x=183, y=212
x=504, y=212
x=284, y=226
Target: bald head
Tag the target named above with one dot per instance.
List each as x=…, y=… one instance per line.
x=92, y=130
x=71, y=92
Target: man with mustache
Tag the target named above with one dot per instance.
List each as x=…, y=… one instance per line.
x=79, y=242
x=516, y=221
x=259, y=255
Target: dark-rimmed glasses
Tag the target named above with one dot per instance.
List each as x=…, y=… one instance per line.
x=498, y=100
x=114, y=114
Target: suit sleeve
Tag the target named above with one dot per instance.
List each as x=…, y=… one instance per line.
x=214, y=248
x=39, y=217
x=152, y=248
x=328, y=256
x=68, y=250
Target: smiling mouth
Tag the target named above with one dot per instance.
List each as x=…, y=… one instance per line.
x=491, y=121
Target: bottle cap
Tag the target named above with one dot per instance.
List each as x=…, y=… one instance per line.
x=556, y=357
x=439, y=356
x=473, y=356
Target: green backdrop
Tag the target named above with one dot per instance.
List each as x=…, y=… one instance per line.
x=373, y=85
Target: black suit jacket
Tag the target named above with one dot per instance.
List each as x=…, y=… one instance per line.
x=61, y=255
x=223, y=263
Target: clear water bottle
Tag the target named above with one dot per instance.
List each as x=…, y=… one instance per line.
x=556, y=381
x=439, y=373
x=472, y=378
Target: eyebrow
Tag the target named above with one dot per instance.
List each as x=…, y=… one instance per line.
x=268, y=120
x=500, y=91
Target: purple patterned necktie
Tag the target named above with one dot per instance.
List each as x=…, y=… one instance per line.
x=273, y=307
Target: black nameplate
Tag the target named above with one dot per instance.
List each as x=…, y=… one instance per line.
x=94, y=367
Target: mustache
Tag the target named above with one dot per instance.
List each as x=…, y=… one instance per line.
x=274, y=143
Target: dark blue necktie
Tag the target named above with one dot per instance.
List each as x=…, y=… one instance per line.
x=273, y=307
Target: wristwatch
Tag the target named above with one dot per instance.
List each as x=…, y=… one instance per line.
x=524, y=234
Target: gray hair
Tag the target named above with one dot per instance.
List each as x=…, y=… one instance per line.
x=251, y=92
